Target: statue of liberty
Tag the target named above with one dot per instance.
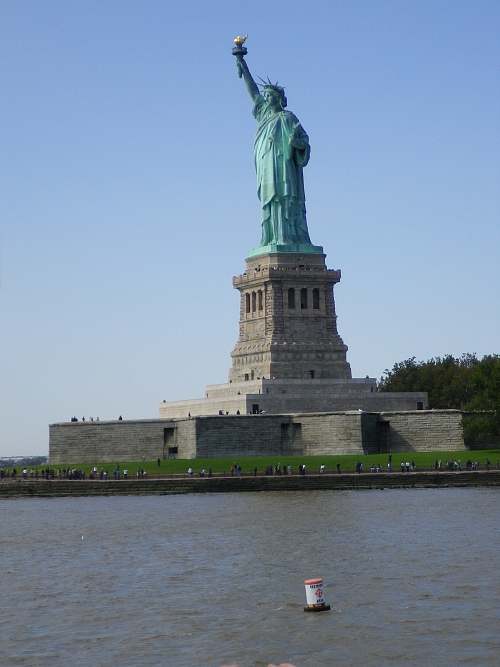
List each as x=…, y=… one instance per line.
x=281, y=151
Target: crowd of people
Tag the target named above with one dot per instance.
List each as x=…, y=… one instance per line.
x=117, y=473
x=457, y=465
x=69, y=473
x=74, y=419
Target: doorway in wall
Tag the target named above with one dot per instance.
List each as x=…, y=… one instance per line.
x=169, y=447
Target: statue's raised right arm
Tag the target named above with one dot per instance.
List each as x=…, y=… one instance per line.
x=244, y=72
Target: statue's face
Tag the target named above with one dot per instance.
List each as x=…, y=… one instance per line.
x=273, y=99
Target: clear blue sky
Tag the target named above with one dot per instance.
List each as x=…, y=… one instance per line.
x=128, y=192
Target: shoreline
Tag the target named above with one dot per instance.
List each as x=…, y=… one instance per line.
x=53, y=488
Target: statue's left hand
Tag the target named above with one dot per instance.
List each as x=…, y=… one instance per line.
x=299, y=138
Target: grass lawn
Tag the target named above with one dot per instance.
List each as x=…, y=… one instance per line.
x=423, y=460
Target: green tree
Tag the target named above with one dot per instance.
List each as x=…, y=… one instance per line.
x=464, y=383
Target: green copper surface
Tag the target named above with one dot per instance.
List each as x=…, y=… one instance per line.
x=281, y=152
x=302, y=248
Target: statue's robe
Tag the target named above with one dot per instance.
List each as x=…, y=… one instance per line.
x=281, y=151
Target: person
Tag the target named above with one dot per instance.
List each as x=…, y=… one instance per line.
x=338, y=468
x=158, y=461
x=281, y=152
x=120, y=418
x=190, y=471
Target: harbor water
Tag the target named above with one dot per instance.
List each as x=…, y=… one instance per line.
x=413, y=578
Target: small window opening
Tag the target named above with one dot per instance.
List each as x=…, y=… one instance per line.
x=303, y=298
x=254, y=302
x=246, y=377
x=420, y=405
x=261, y=306
x=247, y=302
x=316, y=298
x=291, y=298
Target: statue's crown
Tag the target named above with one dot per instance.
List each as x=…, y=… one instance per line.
x=269, y=85
x=273, y=86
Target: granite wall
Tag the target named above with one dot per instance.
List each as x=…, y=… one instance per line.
x=354, y=432
x=424, y=431
x=131, y=440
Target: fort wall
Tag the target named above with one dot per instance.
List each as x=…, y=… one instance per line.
x=353, y=432
x=131, y=440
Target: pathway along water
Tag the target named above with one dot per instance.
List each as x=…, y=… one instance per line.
x=187, y=484
x=412, y=576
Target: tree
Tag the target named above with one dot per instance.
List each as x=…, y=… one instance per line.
x=463, y=383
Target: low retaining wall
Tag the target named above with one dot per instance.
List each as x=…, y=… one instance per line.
x=58, y=488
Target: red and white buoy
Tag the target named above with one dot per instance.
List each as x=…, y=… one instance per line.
x=315, y=595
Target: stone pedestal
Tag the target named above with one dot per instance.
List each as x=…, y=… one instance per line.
x=288, y=324
x=289, y=357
